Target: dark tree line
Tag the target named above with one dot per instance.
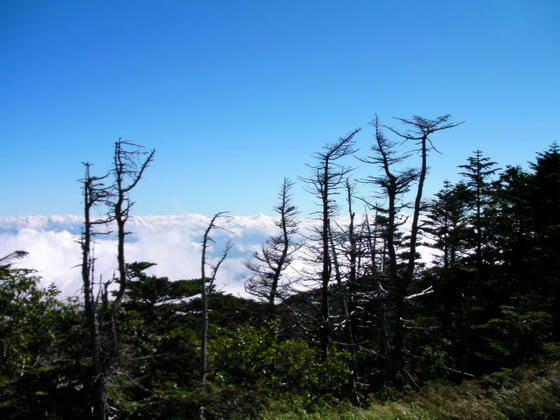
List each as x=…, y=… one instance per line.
x=369, y=312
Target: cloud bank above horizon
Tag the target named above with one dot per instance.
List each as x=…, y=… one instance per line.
x=173, y=243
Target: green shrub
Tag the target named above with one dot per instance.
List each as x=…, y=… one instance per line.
x=518, y=394
x=257, y=359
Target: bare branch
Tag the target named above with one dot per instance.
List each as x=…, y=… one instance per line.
x=427, y=291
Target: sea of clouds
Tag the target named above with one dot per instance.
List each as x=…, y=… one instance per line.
x=172, y=242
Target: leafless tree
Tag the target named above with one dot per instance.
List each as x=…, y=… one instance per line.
x=327, y=177
x=129, y=163
x=352, y=253
x=94, y=193
x=207, y=283
x=276, y=254
x=394, y=182
x=419, y=131
x=347, y=323
x=372, y=236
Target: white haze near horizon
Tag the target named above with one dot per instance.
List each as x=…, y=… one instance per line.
x=173, y=243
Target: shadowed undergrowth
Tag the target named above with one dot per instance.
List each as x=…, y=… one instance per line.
x=523, y=393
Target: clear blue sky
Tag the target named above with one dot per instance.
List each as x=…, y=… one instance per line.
x=235, y=95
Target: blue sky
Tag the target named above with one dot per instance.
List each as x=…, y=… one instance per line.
x=236, y=95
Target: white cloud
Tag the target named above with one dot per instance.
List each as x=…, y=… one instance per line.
x=172, y=242
x=53, y=254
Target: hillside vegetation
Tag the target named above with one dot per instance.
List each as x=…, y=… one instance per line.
x=518, y=394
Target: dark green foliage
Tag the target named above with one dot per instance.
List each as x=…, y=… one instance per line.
x=545, y=199
x=515, y=337
x=42, y=365
x=257, y=359
x=519, y=394
x=496, y=282
x=167, y=401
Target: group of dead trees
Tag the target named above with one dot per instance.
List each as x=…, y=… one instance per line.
x=109, y=195
x=363, y=267
x=361, y=270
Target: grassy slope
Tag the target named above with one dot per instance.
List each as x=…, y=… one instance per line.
x=523, y=393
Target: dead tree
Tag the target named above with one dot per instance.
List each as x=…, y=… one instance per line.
x=420, y=130
x=380, y=292
x=276, y=254
x=352, y=253
x=129, y=163
x=394, y=183
x=94, y=193
x=347, y=323
x=327, y=177
x=206, y=239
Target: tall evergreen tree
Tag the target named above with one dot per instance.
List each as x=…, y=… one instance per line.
x=478, y=173
x=446, y=226
x=546, y=210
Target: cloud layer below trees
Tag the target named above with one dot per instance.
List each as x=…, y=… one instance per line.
x=172, y=242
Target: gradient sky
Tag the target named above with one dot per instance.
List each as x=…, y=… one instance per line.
x=235, y=95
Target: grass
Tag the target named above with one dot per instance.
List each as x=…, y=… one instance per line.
x=519, y=394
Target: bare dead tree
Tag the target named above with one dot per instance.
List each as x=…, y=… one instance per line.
x=381, y=293
x=276, y=254
x=347, y=324
x=352, y=251
x=129, y=163
x=206, y=239
x=394, y=182
x=327, y=177
x=419, y=131
x=94, y=193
